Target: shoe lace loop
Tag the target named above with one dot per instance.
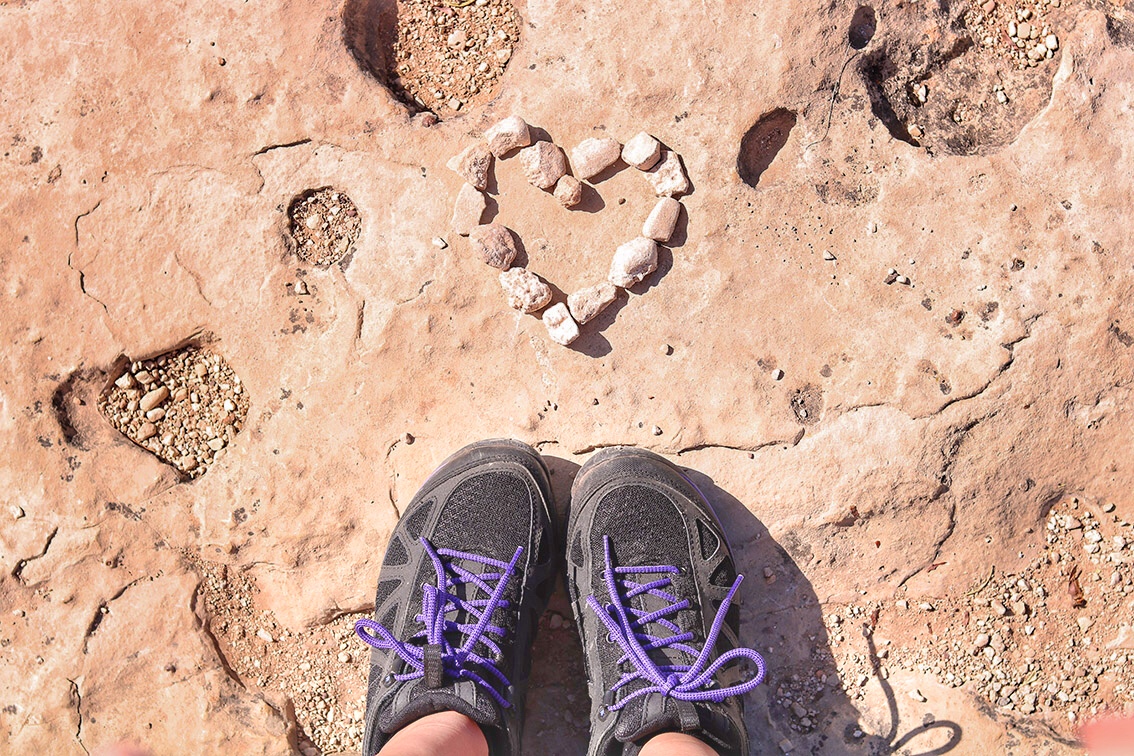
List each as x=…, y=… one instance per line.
x=460, y=659
x=628, y=627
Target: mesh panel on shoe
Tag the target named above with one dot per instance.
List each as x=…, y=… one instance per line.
x=396, y=553
x=709, y=541
x=724, y=574
x=415, y=521
x=385, y=589
x=464, y=525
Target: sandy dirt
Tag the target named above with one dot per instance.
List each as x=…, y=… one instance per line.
x=892, y=335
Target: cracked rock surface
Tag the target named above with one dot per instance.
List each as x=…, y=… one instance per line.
x=869, y=450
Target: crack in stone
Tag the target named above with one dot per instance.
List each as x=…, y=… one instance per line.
x=18, y=570
x=281, y=146
x=420, y=291
x=77, y=698
x=203, y=626
x=83, y=280
x=196, y=278
x=945, y=482
x=103, y=609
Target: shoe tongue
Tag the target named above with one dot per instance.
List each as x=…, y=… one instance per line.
x=654, y=713
x=416, y=700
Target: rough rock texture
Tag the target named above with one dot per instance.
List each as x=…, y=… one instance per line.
x=668, y=177
x=569, y=191
x=586, y=303
x=662, y=220
x=473, y=164
x=633, y=261
x=900, y=458
x=642, y=151
x=593, y=156
x=468, y=209
x=524, y=289
x=544, y=163
x=493, y=244
x=508, y=134
x=560, y=327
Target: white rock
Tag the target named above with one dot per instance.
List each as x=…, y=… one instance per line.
x=525, y=290
x=633, y=261
x=543, y=164
x=473, y=165
x=125, y=381
x=592, y=156
x=569, y=191
x=1051, y=42
x=642, y=151
x=507, y=135
x=468, y=209
x=153, y=399
x=560, y=327
x=587, y=303
x=494, y=244
x=668, y=177
x=662, y=220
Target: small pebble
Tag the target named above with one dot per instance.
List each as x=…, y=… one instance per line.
x=265, y=636
x=16, y=511
x=543, y=164
x=594, y=155
x=568, y=191
x=916, y=695
x=525, y=290
x=560, y=327
x=642, y=151
x=982, y=640
x=473, y=164
x=657, y=431
x=467, y=210
x=586, y=304
x=633, y=261
x=344, y=657
x=662, y=220
x=153, y=398
x=494, y=245
x=125, y=381
x=777, y=375
x=441, y=243
x=668, y=177
x=301, y=288
x=507, y=135
x=828, y=256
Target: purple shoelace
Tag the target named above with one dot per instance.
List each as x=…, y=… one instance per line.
x=457, y=661
x=628, y=627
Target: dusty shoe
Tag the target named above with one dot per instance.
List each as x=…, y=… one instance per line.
x=654, y=593
x=467, y=573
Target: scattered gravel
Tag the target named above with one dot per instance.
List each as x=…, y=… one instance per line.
x=325, y=225
x=1022, y=33
x=447, y=56
x=185, y=407
x=1024, y=637
x=315, y=668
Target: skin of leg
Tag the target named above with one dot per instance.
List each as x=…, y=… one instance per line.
x=446, y=733
x=676, y=744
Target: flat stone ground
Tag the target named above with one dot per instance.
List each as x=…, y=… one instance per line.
x=927, y=481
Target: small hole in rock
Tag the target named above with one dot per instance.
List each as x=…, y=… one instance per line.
x=434, y=57
x=324, y=225
x=762, y=143
x=862, y=27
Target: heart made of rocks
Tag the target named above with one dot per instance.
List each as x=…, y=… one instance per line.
x=546, y=167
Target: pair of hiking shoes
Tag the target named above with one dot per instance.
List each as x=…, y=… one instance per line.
x=471, y=565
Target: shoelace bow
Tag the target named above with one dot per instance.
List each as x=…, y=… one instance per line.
x=628, y=628
x=422, y=650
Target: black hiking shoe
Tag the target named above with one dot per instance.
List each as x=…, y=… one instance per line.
x=467, y=573
x=654, y=593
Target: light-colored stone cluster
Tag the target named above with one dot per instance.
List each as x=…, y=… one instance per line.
x=545, y=166
x=185, y=407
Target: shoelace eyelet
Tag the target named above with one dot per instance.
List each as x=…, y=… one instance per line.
x=388, y=679
x=603, y=712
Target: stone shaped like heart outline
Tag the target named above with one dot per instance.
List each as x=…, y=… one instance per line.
x=546, y=167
